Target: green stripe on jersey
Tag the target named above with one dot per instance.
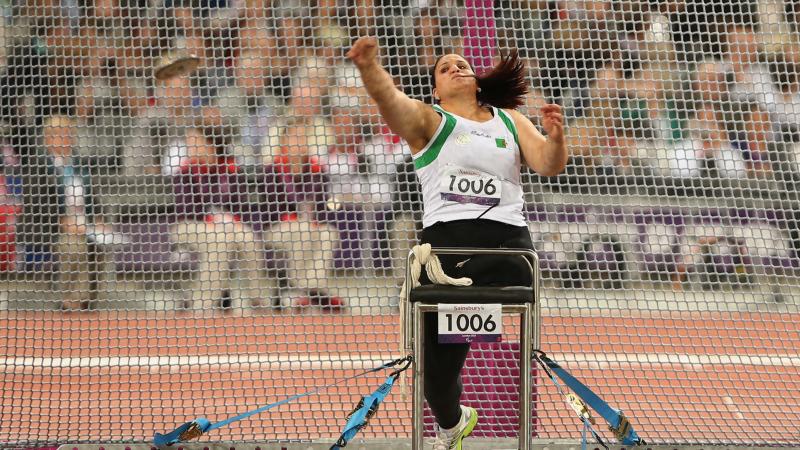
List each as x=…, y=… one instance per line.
x=433, y=151
x=509, y=124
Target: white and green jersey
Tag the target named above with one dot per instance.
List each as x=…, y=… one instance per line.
x=471, y=170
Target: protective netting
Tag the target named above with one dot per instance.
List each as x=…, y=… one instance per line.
x=214, y=241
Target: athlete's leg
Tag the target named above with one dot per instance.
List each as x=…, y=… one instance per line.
x=443, y=364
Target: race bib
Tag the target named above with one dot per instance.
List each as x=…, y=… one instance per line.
x=460, y=324
x=471, y=186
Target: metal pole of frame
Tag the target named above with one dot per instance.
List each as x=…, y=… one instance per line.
x=525, y=379
x=419, y=372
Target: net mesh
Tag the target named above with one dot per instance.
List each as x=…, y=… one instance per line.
x=233, y=231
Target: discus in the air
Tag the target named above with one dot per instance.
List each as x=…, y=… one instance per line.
x=172, y=67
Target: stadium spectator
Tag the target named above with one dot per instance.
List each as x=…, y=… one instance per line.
x=345, y=160
x=249, y=108
x=751, y=77
x=201, y=28
x=110, y=105
x=584, y=39
x=599, y=138
x=710, y=82
x=40, y=73
x=523, y=24
x=707, y=152
x=292, y=21
x=43, y=71
x=786, y=77
x=331, y=40
x=296, y=228
x=587, y=136
x=362, y=163
x=258, y=38
x=414, y=31
x=650, y=114
x=699, y=27
x=82, y=232
x=364, y=153
x=311, y=81
x=129, y=32
x=25, y=103
x=428, y=42
x=171, y=110
x=215, y=221
x=758, y=140
x=310, y=85
x=356, y=15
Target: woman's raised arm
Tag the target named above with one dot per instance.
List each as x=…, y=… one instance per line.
x=411, y=119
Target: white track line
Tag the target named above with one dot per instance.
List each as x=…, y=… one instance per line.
x=181, y=363
x=366, y=361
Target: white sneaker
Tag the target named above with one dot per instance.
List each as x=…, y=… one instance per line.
x=451, y=439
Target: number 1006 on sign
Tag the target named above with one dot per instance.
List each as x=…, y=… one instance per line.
x=460, y=324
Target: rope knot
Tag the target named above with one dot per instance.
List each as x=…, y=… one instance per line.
x=422, y=253
x=423, y=256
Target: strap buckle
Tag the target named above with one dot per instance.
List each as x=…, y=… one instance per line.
x=369, y=415
x=580, y=408
x=192, y=432
x=622, y=429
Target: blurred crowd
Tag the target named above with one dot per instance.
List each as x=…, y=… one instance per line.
x=272, y=143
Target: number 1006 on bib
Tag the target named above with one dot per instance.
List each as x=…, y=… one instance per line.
x=460, y=324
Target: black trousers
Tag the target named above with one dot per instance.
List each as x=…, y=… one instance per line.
x=443, y=362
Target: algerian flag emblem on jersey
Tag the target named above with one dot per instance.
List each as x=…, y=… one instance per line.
x=501, y=143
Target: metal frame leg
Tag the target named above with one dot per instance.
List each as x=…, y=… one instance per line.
x=525, y=366
x=419, y=372
x=525, y=348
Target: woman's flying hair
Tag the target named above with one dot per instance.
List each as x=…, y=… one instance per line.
x=505, y=86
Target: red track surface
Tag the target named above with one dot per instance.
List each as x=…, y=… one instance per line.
x=680, y=377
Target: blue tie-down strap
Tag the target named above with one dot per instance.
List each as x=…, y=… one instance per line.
x=197, y=427
x=618, y=423
x=367, y=408
x=580, y=408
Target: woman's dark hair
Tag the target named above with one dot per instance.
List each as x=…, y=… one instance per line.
x=505, y=86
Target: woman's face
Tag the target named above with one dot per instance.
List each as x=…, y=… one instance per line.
x=454, y=76
x=60, y=139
